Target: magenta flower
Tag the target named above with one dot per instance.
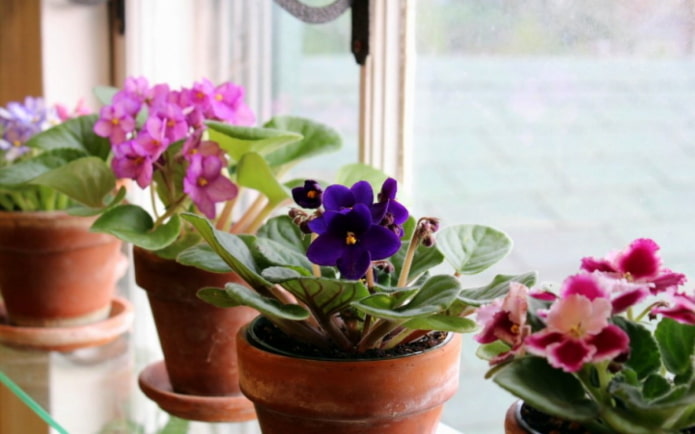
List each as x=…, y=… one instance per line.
x=205, y=183
x=173, y=121
x=639, y=262
x=505, y=320
x=130, y=160
x=152, y=138
x=682, y=309
x=578, y=332
x=622, y=293
x=115, y=123
x=227, y=104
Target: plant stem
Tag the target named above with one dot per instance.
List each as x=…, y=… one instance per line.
x=380, y=329
x=246, y=217
x=224, y=220
x=409, y=255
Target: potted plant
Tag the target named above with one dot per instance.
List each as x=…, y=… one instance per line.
x=55, y=272
x=610, y=350
x=196, y=150
x=356, y=334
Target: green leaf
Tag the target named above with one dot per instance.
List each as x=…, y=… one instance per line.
x=86, y=180
x=316, y=139
x=321, y=295
x=352, y=173
x=237, y=140
x=550, y=390
x=471, y=249
x=495, y=289
x=76, y=133
x=234, y=294
x=202, y=256
x=281, y=229
x=25, y=171
x=104, y=94
x=455, y=324
x=133, y=224
x=644, y=358
x=277, y=254
x=655, y=386
x=232, y=249
x=492, y=350
x=435, y=296
x=254, y=172
x=677, y=344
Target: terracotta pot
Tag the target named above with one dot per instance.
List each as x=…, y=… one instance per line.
x=55, y=272
x=198, y=340
x=401, y=395
x=512, y=418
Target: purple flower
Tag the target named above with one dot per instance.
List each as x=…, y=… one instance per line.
x=350, y=241
x=205, y=183
x=387, y=211
x=308, y=196
x=20, y=121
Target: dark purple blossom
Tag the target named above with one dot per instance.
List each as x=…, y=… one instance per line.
x=387, y=211
x=309, y=195
x=351, y=241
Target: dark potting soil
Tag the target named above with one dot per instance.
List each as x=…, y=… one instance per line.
x=546, y=424
x=274, y=337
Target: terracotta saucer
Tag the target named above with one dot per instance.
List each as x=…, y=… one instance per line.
x=154, y=382
x=69, y=338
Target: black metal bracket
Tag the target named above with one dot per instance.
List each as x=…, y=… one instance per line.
x=359, y=44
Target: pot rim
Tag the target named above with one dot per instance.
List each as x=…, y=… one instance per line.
x=256, y=342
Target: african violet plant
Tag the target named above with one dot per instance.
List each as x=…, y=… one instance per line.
x=50, y=159
x=195, y=149
x=351, y=271
x=613, y=348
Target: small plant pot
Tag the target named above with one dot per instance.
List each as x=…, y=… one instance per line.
x=398, y=395
x=54, y=272
x=198, y=340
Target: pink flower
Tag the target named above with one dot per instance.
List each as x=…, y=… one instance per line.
x=623, y=294
x=578, y=332
x=505, y=321
x=130, y=160
x=205, y=183
x=227, y=104
x=115, y=123
x=639, y=262
x=682, y=309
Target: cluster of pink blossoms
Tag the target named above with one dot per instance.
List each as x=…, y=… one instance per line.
x=577, y=326
x=173, y=116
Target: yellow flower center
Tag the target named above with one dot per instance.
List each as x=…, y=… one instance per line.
x=312, y=194
x=202, y=182
x=16, y=143
x=218, y=97
x=115, y=121
x=350, y=239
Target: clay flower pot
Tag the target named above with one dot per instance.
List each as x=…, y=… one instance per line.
x=400, y=395
x=515, y=422
x=54, y=272
x=198, y=340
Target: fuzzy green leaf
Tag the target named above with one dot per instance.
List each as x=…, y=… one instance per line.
x=234, y=295
x=352, y=173
x=677, y=344
x=323, y=295
x=644, y=353
x=238, y=140
x=104, y=93
x=133, y=224
x=471, y=249
x=202, y=256
x=86, y=180
x=455, y=324
x=76, y=133
x=233, y=251
x=316, y=139
x=546, y=388
x=281, y=229
x=435, y=296
x=278, y=254
x=254, y=172
x=23, y=172
x=495, y=289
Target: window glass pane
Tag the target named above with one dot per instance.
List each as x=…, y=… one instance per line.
x=566, y=123
x=315, y=76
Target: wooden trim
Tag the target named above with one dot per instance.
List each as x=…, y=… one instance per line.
x=20, y=45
